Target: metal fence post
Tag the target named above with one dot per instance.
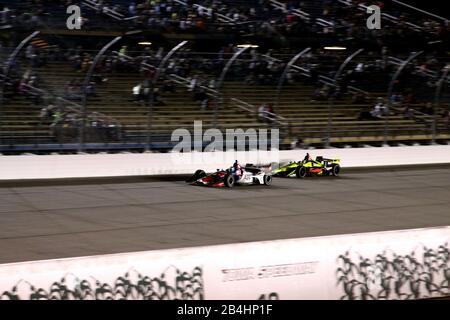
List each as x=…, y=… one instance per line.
x=87, y=81
x=331, y=101
x=400, y=68
x=285, y=72
x=437, y=98
x=220, y=82
x=7, y=69
x=152, y=86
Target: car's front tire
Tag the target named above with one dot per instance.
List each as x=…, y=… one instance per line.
x=199, y=174
x=267, y=179
x=229, y=180
x=300, y=172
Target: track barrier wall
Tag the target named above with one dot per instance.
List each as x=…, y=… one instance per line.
x=405, y=264
x=115, y=165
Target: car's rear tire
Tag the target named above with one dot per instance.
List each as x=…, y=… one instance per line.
x=335, y=170
x=199, y=174
x=229, y=180
x=267, y=179
x=300, y=172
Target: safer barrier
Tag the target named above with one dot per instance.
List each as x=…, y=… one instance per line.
x=408, y=264
x=112, y=165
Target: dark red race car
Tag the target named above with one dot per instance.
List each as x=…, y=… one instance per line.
x=227, y=178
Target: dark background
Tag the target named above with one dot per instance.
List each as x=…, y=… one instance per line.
x=438, y=7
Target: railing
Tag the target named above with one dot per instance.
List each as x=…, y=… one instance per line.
x=297, y=12
x=311, y=128
x=244, y=106
x=181, y=2
x=106, y=10
x=323, y=79
x=420, y=10
x=252, y=110
x=385, y=16
x=234, y=102
x=129, y=58
x=75, y=107
x=186, y=83
x=429, y=73
x=4, y=22
x=330, y=81
x=220, y=17
x=324, y=23
x=296, y=68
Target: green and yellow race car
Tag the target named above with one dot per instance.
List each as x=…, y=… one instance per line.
x=309, y=167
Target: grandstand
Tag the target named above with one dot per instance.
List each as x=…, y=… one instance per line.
x=322, y=101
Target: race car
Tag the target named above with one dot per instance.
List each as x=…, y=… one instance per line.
x=309, y=167
x=228, y=178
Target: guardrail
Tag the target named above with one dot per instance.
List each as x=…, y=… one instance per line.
x=147, y=164
x=296, y=68
x=337, y=267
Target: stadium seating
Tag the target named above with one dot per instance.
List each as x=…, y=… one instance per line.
x=300, y=118
x=307, y=119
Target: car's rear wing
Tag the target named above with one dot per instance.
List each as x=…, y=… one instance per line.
x=320, y=159
x=262, y=167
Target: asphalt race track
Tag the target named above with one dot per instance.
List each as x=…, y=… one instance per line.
x=56, y=219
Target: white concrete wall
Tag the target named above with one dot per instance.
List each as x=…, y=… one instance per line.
x=108, y=165
x=307, y=268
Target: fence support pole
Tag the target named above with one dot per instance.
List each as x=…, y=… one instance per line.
x=7, y=68
x=153, y=83
x=220, y=82
x=87, y=81
x=394, y=78
x=437, y=98
x=284, y=74
x=337, y=76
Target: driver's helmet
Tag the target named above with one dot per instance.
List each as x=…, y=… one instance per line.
x=307, y=157
x=237, y=168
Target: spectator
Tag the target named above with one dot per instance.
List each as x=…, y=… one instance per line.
x=262, y=110
x=270, y=113
x=321, y=93
x=379, y=109
x=408, y=113
x=427, y=109
x=140, y=92
x=360, y=98
x=46, y=113
x=168, y=86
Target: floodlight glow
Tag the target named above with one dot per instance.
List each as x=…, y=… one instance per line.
x=247, y=46
x=335, y=48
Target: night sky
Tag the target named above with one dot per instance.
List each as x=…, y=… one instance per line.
x=439, y=7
